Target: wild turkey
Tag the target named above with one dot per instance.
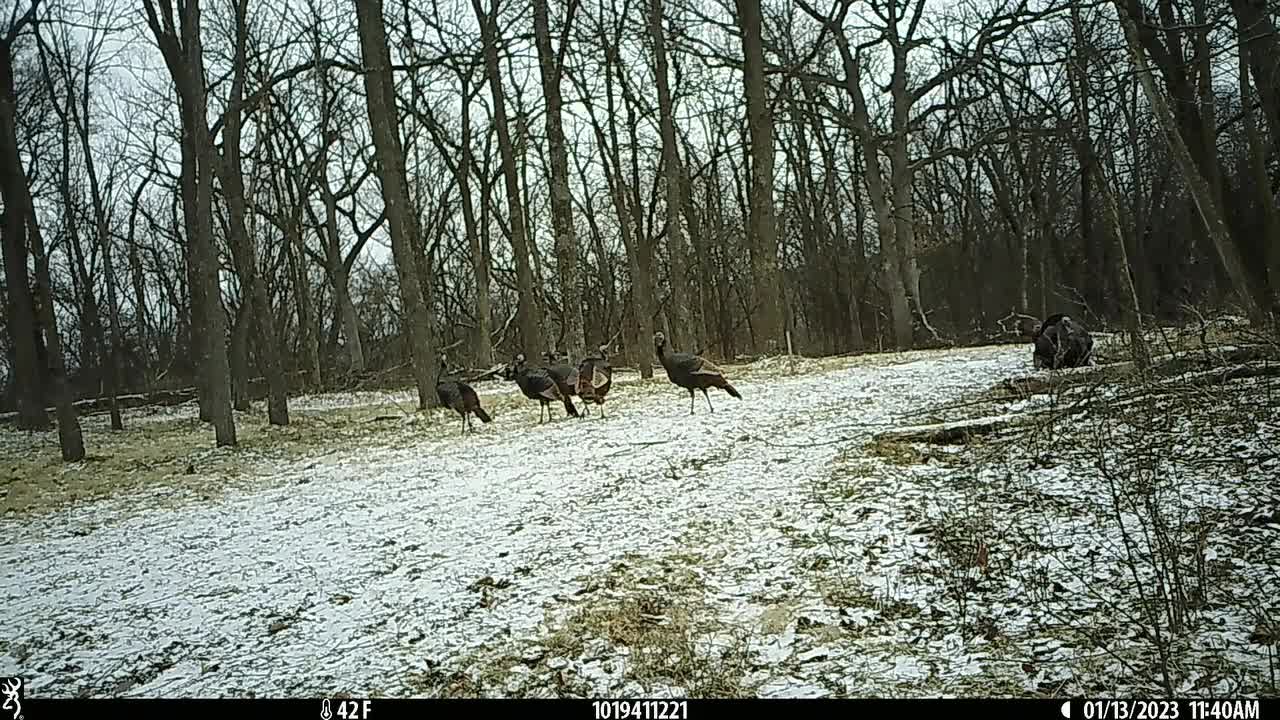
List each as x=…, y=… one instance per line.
x=459, y=396
x=1061, y=342
x=691, y=372
x=595, y=377
x=537, y=384
x=565, y=375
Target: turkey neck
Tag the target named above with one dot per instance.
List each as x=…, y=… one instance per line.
x=663, y=355
x=522, y=376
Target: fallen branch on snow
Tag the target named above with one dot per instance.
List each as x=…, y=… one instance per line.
x=954, y=432
x=1173, y=364
x=962, y=430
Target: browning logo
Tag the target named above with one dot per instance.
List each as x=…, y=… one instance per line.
x=11, y=690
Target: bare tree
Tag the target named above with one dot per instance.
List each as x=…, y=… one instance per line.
x=244, y=249
x=1201, y=190
x=177, y=33
x=527, y=311
x=684, y=331
x=401, y=216
x=550, y=64
x=23, y=326
x=767, y=314
x=78, y=76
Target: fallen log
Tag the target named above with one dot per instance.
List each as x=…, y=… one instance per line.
x=1049, y=381
x=961, y=431
x=958, y=431
x=94, y=406
x=1224, y=375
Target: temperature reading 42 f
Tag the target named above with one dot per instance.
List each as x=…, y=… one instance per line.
x=345, y=710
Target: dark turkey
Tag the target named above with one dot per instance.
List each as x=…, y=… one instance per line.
x=565, y=375
x=459, y=397
x=537, y=384
x=1061, y=342
x=691, y=372
x=595, y=377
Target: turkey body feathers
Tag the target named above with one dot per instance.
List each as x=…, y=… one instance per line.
x=565, y=378
x=595, y=377
x=691, y=372
x=538, y=384
x=1060, y=343
x=459, y=397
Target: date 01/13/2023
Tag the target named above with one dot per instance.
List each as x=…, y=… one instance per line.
x=1171, y=710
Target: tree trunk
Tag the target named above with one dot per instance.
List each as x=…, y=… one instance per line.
x=70, y=436
x=477, y=245
x=685, y=331
x=137, y=278
x=902, y=180
x=93, y=338
x=1256, y=172
x=639, y=345
x=561, y=201
x=647, y=301
x=1258, y=34
x=1124, y=276
x=857, y=250
x=111, y=355
x=1091, y=283
x=403, y=219
x=267, y=346
x=482, y=342
x=767, y=314
x=114, y=373
x=527, y=309
x=308, y=318
x=890, y=267
x=23, y=326
x=211, y=325
x=240, y=399
x=184, y=56
x=697, y=269
x=340, y=279
x=198, y=338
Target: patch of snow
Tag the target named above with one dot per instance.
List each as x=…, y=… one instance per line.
x=790, y=687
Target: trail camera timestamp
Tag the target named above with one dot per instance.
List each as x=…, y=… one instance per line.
x=1171, y=710
x=1224, y=709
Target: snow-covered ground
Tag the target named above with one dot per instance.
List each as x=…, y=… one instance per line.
x=444, y=559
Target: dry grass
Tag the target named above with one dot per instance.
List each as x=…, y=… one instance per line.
x=895, y=453
x=643, y=621
x=179, y=454
x=655, y=611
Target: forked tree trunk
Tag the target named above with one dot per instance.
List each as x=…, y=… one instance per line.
x=684, y=332
x=244, y=249
x=401, y=215
x=527, y=309
x=178, y=36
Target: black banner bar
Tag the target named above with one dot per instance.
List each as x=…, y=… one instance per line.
x=647, y=709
